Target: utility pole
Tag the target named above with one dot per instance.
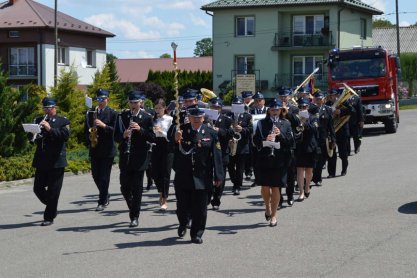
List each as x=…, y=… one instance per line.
x=56, y=45
x=398, y=28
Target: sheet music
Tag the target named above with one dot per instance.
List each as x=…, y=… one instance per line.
x=32, y=128
x=211, y=114
x=88, y=101
x=275, y=145
x=255, y=119
x=238, y=108
x=304, y=114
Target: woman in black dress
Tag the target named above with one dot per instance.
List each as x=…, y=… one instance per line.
x=305, y=152
x=273, y=160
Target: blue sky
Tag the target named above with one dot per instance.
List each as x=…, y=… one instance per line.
x=146, y=28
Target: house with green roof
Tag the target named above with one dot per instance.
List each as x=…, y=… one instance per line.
x=282, y=41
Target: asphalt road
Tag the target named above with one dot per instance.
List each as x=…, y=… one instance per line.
x=360, y=225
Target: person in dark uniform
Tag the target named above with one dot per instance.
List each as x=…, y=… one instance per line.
x=50, y=158
x=284, y=95
x=342, y=135
x=99, y=133
x=243, y=128
x=223, y=127
x=356, y=122
x=326, y=132
x=258, y=108
x=248, y=100
x=306, y=149
x=134, y=133
x=197, y=166
x=272, y=161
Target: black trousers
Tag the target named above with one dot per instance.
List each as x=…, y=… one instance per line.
x=291, y=173
x=318, y=167
x=236, y=168
x=47, y=187
x=161, y=169
x=216, y=193
x=249, y=164
x=101, y=170
x=355, y=132
x=343, y=154
x=191, y=202
x=131, y=182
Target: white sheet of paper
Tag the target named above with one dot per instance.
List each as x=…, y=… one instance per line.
x=88, y=102
x=32, y=128
x=211, y=114
x=238, y=108
x=255, y=119
x=275, y=145
x=304, y=114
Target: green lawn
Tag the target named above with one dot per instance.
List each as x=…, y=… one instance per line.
x=407, y=107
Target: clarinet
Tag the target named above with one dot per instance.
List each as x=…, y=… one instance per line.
x=274, y=123
x=36, y=135
x=129, y=138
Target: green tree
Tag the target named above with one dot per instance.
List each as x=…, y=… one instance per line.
x=409, y=69
x=110, y=57
x=204, y=47
x=165, y=55
x=378, y=23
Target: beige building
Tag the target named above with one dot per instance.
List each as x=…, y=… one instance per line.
x=281, y=41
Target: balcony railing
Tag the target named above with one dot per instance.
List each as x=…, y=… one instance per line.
x=287, y=39
x=292, y=80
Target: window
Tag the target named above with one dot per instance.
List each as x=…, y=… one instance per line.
x=245, y=64
x=22, y=61
x=245, y=26
x=62, y=56
x=304, y=26
x=91, y=58
x=363, y=28
x=14, y=34
x=305, y=65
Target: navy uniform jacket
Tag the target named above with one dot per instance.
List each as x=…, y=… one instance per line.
x=292, y=116
x=198, y=169
x=105, y=145
x=245, y=121
x=346, y=109
x=138, y=159
x=257, y=111
x=50, y=145
x=357, y=111
x=282, y=155
x=326, y=127
x=309, y=143
x=225, y=134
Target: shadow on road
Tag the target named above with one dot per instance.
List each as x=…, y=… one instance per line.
x=373, y=131
x=410, y=208
x=153, y=243
x=19, y=225
x=233, y=229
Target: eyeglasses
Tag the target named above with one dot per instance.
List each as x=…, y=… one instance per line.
x=100, y=99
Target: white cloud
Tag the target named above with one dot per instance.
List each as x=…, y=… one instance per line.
x=128, y=29
x=135, y=54
x=171, y=29
x=136, y=11
x=404, y=23
x=378, y=4
x=198, y=21
x=178, y=5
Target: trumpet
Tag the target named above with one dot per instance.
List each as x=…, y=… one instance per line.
x=295, y=92
x=236, y=136
x=93, y=130
x=339, y=121
x=36, y=135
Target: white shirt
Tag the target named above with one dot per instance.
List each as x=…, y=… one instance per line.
x=164, y=122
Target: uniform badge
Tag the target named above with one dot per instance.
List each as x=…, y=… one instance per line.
x=140, y=116
x=220, y=120
x=316, y=124
x=53, y=120
x=218, y=146
x=202, y=132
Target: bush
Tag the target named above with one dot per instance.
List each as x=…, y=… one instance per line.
x=16, y=168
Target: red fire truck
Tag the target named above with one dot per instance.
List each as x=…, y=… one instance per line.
x=373, y=73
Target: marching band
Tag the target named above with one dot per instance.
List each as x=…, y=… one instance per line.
x=284, y=144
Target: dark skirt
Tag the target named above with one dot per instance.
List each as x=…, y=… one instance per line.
x=273, y=177
x=304, y=160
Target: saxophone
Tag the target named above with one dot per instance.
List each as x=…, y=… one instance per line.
x=236, y=137
x=93, y=130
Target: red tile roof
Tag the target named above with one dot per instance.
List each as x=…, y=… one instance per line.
x=28, y=13
x=136, y=70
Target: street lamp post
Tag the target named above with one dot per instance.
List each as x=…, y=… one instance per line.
x=56, y=44
x=398, y=28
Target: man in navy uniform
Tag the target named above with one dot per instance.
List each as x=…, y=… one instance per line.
x=134, y=134
x=223, y=126
x=326, y=132
x=50, y=158
x=102, y=153
x=243, y=128
x=356, y=122
x=198, y=166
x=284, y=95
x=248, y=100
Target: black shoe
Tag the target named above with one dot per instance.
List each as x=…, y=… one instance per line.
x=330, y=176
x=290, y=201
x=281, y=200
x=182, y=230
x=300, y=199
x=100, y=208
x=236, y=192
x=197, y=240
x=307, y=194
x=148, y=187
x=253, y=184
x=188, y=226
x=318, y=183
x=47, y=223
x=358, y=150
x=107, y=200
x=267, y=217
x=215, y=207
x=134, y=223
x=343, y=173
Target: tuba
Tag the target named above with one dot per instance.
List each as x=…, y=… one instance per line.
x=93, y=130
x=207, y=95
x=339, y=121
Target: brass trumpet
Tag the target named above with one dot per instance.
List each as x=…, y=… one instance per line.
x=93, y=136
x=339, y=121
